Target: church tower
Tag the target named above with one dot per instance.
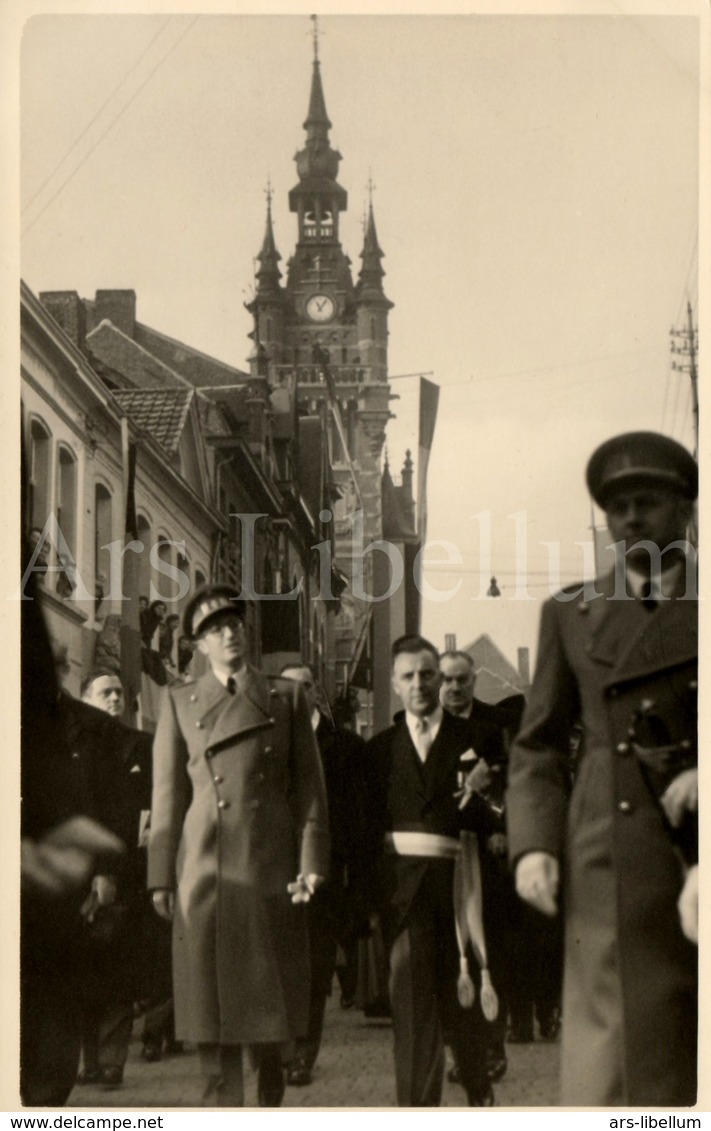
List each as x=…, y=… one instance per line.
x=324, y=337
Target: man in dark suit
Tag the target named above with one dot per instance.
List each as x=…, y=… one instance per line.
x=618, y=658
x=420, y=800
x=113, y=910
x=238, y=843
x=526, y=951
x=339, y=909
x=62, y=845
x=489, y=778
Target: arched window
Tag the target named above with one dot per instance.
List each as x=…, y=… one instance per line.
x=67, y=496
x=164, y=583
x=143, y=530
x=103, y=535
x=40, y=474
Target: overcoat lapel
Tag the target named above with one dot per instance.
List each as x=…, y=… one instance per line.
x=227, y=717
x=634, y=643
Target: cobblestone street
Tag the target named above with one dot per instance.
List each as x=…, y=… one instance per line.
x=354, y=1069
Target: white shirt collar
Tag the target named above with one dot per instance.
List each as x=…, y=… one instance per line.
x=434, y=721
x=315, y=718
x=664, y=583
x=238, y=676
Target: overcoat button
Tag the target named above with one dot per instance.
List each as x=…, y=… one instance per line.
x=685, y=744
x=198, y=724
x=223, y=804
x=272, y=721
x=268, y=749
x=624, y=807
x=193, y=698
x=647, y=704
x=75, y=754
x=273, y=691
x=693, y=685
x=622, y=747
x=218, y=780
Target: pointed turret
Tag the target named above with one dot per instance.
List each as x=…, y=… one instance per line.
x=370, y=285
x=268, y=275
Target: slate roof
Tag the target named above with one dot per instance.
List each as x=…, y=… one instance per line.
x=496, y=677
x=160, y=412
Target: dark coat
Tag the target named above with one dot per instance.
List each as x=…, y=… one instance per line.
x=630, y=998
x=401, y=799
x=238, y=810
x=344, y=898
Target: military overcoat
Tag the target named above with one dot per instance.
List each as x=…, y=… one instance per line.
x=630, y=989
x=238, y=811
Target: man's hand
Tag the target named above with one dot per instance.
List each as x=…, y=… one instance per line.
x=681, y=796
x=497, y=844
x=537, y=880
x=64, y=859
x=304, y=887
x=105, y=888
x=688, y=904
x=477, y=780
x=164, y=903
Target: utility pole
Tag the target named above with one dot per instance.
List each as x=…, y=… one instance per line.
x=685, y=343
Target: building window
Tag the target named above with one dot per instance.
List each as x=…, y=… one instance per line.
x=143, y=529
x=67, y=496
x=40, y=474
x=67, y=515
x=103, y=535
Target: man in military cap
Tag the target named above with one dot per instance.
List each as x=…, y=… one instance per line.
x=618, y=659
x=239, y=842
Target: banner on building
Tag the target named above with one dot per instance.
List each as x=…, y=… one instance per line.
x=429, y=400
x=130, y=608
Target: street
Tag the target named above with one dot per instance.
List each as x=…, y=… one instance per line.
x=354, y=1069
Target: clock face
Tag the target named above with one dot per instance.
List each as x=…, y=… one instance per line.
x=320, y=308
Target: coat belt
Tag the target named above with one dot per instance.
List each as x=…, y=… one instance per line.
x=422, y=844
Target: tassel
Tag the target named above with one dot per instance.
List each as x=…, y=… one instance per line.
x=489, y=1000
x=465, y=987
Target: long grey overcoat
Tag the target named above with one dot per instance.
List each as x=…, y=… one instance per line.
x=239, y=808
x=630, y=988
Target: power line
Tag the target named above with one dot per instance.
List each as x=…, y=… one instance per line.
x=100, y=111
x=111, y=124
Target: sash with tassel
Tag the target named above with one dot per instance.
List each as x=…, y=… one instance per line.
x=469, y=924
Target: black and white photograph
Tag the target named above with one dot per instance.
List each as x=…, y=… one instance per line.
x=359, y=365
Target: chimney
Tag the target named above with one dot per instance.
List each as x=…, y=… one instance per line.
x=450, y=642
x=120, y=309
x=67, y=310
x=524, y=666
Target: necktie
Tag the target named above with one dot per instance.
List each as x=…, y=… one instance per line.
x=231, y=685
x=424, y=738
x=645, y=595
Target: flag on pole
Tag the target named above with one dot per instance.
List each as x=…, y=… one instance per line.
x=130, y=607
x=429, y=400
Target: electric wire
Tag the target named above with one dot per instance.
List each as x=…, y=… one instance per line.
x=111, y=124
x=98, y=113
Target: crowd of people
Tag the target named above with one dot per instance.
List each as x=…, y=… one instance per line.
x=517, y=869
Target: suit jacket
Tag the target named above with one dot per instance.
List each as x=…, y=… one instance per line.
x=407, y=795
x=238, y=810
x=609, y=664
x=344, y=896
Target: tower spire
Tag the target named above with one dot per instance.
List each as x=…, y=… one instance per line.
x=370, y=283
x=268, y=275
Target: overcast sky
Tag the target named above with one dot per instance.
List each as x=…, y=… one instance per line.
x=536, y=187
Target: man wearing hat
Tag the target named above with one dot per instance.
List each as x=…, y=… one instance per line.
x=239, y=842
x=613, y=844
